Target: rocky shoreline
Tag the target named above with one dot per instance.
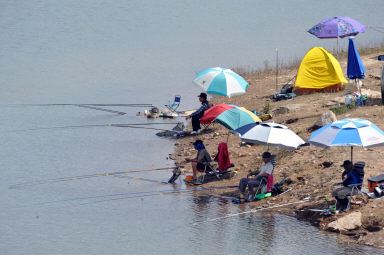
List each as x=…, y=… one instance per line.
x=311, y=172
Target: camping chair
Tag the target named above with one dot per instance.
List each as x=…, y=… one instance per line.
x=266, y=183
x=221, y=164
x=176, y=103
x=356, y=189
x=210, y=169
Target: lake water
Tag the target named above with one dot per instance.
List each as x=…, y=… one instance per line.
x=135, y=52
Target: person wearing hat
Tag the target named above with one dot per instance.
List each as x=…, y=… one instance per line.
x=254, y=178
x=196, y=116
x=341, y=194
x=202, y=158
x=347, y=164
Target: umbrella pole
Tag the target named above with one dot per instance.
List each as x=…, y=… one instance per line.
x=358, y=85
x=337, y=45
x=277, y=67
x=352, y=154
x=228, y=137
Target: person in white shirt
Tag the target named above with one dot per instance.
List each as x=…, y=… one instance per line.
x=254, y=178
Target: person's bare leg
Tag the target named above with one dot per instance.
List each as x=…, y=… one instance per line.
x=194, y=169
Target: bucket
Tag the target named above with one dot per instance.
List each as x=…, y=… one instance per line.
x=348, y=99
x=188, y=178
x=332, y=207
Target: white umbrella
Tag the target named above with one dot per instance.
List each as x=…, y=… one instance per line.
x=221, y=81
x=270, y=134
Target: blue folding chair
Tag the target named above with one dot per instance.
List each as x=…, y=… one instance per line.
x=176, y=103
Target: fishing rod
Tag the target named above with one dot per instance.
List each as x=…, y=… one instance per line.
x=78, y=177
x=129, y=195
x=129, y=125
x=101, y=109
x=122, y=105
x=141, y=179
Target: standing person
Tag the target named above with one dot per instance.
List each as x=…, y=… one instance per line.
x=265, y=170
x=202, y=158
x=196, y=116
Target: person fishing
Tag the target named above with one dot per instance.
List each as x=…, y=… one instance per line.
x=197, y=115
x=265, y=170
x=202, y=158
x=341, y=194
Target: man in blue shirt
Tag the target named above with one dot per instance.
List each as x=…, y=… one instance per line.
x=341, y=193
x=196, y=116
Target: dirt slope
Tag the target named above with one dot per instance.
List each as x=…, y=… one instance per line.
x=307, y=176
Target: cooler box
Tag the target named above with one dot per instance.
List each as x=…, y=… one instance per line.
x=374, y=181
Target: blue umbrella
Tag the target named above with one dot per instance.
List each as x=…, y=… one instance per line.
x=348, y=132
x=355, y=67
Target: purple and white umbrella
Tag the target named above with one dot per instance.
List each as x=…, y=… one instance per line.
x=335, y=27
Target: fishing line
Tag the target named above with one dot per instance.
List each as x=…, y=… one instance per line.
x=78, y=177
x=377, y=29
x=246, y=212
x=94, y=125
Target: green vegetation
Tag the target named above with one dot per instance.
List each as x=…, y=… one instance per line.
x=267, y=107
x=340, y=109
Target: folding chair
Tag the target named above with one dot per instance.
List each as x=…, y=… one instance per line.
x=176, y=103
x=356, y=188
x=263, y=187
x=210, y=169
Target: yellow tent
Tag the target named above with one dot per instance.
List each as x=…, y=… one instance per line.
x=319, y=71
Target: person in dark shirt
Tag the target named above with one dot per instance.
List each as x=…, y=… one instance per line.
x=196, y=116
x=347, y=168
x=202, y=158
x=341, y=193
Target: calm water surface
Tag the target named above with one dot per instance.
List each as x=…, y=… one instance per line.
x=135, y=52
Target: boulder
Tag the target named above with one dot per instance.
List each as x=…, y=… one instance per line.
x=349, y=222
x=281, y=110
x=325, y=119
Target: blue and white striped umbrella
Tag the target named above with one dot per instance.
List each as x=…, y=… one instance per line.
x=348, y=132
x=221, y=81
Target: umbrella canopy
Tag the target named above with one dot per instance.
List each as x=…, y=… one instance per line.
x=348, y=132
x=221, y=81
x=211, y=114
x=335, y=27
x=355, y=67
x=270, y=134
x=236, y=117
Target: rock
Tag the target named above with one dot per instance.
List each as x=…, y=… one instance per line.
x=349, y=222
x=325, y=119
x=281, y=110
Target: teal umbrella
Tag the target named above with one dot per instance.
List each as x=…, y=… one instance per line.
x=236, y=117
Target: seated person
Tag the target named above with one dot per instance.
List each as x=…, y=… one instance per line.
x=202, y=158
x=352, y=178
x=222, y=157
x=265, y=170
x=197, y=115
